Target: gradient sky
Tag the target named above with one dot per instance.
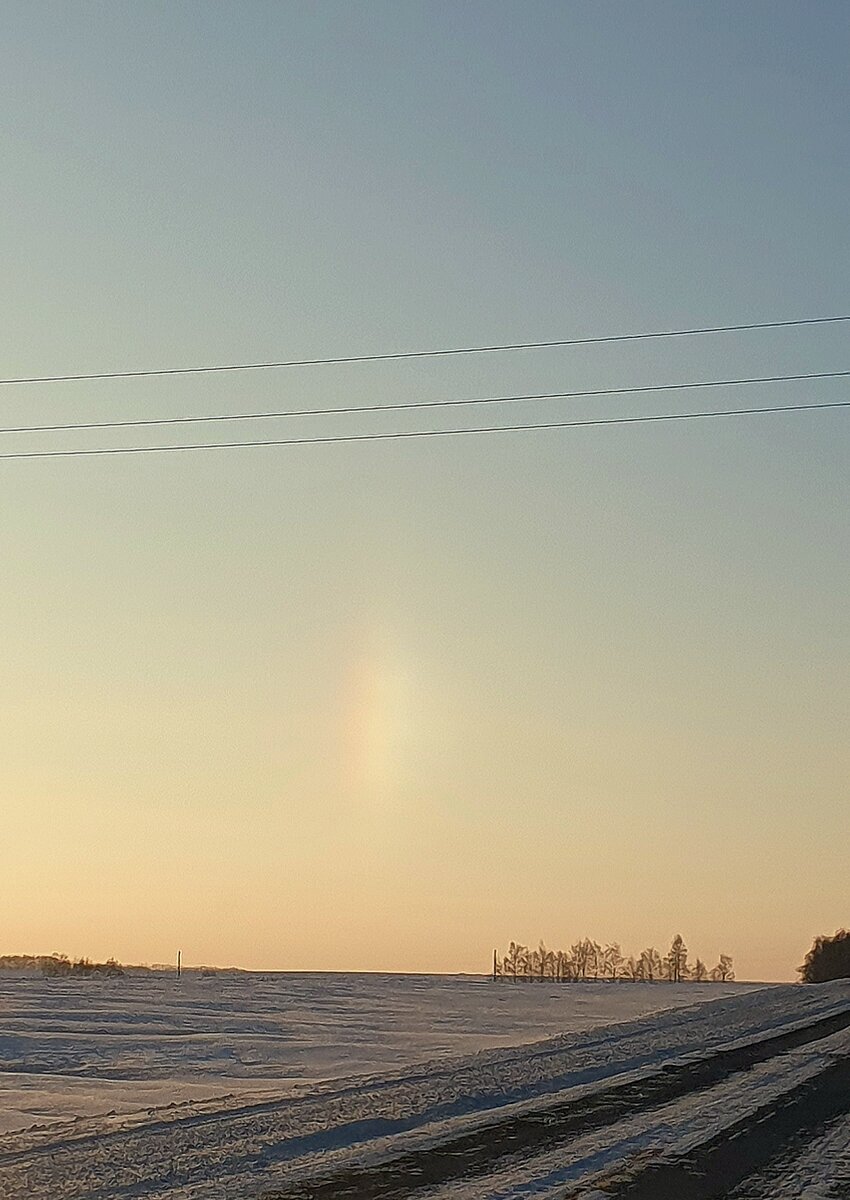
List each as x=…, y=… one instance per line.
x=388, y=706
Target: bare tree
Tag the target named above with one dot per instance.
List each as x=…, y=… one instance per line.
x=723, y=972
x=595, y=955
x=511, y=960
x=633, y=970
x=524, y=962
x=580, y=955
x=545, y=959
x=650, y=964
x=612, y=960
x=676, y=961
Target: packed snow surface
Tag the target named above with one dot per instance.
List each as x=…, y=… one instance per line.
x=83, y=1047
x=818, y=1170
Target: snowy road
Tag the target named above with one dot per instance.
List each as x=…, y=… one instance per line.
x=601, y=1105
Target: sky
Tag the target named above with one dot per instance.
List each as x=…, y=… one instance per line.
x=387, y=706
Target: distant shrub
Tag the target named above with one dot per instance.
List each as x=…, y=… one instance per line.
x=56, y=964
x=84, y=966
x=59, y=965
x=47, y=964
x=21, y=962
x=829, y=958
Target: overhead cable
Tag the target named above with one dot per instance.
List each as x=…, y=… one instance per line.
x=414, y=405
x=408, y=435
x=595, y=340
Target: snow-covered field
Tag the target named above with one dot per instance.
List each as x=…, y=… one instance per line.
x=329, y=1087
x=90, y=1046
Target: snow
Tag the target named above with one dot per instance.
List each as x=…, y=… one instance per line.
x=677, y=1127
x=239, y=1084
x=84, y=1047
x=821, y=1171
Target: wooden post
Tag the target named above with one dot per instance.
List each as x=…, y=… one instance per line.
x=179, y=963
x=494, y=966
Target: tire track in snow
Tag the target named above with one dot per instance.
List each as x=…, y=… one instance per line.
x=532, y=1133
x=721, y=1166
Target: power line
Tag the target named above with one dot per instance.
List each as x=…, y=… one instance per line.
x=147, y=422
x=442, y=353
x=428, y=433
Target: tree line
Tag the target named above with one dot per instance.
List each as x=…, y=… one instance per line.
x=53, y=965
x=587, y=959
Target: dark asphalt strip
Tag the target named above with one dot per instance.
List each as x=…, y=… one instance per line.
x=714, y=1169
x=519, y=1137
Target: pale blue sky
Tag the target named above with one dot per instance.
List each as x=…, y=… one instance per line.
x=387, y=706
